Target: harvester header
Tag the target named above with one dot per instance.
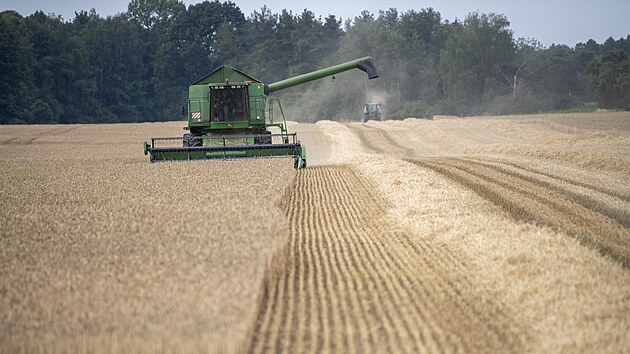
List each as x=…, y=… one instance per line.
x=230, y=114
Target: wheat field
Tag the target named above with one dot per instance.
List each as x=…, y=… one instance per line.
x=484, y=234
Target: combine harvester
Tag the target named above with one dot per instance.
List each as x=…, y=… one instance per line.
x=230, y=113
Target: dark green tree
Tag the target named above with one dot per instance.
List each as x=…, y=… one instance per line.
x=526, y=48
x=475, y=55
x=154, y=16
x=553, y=77
x=227, y=47
x=138, y=65
x=267, y=44
x=199, y=30
x=16, y=76
x=61, y=72
x=422, y=37
x=610, y=77
x=313, y=40
x=118, y=61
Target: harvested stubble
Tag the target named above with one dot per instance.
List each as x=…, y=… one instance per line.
x=567, y=296
x=528, y=197
x=383, y=253
x=102, y=251
x=562, y=293
x=353, y=283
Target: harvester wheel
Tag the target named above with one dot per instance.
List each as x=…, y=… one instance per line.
x=299, y=162
x=264, y=138
x=192, y=140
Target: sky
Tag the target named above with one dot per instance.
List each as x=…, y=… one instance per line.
x=549, y=21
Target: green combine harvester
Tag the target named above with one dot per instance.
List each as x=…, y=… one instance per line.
x=230, y=114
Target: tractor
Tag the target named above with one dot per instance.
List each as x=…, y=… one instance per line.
x=371, y=111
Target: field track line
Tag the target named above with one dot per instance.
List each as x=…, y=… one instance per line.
x=580, y=183
x=365, y=138
x=8, y=141
x=409, y=152
x=354, y=284
x=379, y=141
x=566, y=188
x=530, y=199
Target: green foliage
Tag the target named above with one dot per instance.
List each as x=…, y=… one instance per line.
x=589, y=107
x=16, y=75
x=416, y=109
x=610, y=77
x=475, y=55
x=554, y=72
x=137, y=66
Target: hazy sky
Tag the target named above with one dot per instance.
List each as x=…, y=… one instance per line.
x=549, y=21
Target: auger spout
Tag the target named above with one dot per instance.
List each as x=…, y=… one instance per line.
x=364, y=64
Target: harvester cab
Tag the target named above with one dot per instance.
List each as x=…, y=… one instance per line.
x=230, y=115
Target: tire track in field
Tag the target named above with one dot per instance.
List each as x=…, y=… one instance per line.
x=386, y=134
x=354, y=284
x=32, y=138
x=367, y=138
x=532, y=197
x=590, y=197
x=613, y=192
x=378, y=140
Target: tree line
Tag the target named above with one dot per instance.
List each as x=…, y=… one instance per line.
x=137, y=65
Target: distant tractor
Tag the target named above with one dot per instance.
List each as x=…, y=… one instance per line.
x=371, y=111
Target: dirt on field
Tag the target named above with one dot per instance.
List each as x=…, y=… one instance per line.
x=483, y=234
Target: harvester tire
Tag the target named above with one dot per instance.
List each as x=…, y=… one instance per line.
x=192, y=140
x=299, y=163
x=263, y=139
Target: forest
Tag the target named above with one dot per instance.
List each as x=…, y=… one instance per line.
x=136, y=66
